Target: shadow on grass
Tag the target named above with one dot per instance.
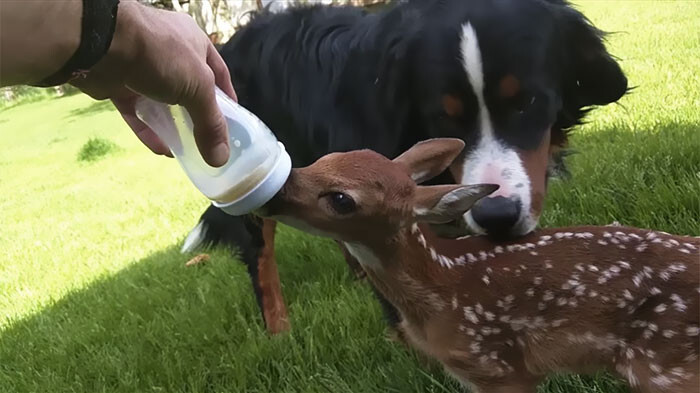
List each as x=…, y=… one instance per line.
x=151, y=319
x=648, y=179
x=92, y=109
x=160, y=326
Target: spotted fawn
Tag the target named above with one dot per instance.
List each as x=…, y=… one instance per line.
x=501, y=316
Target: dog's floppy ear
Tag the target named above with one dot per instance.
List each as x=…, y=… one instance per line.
x=598, y=77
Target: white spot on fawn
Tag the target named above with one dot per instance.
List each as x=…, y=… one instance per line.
x=668, y=333
x=661, y=381
x=637, y=279
x=470, y=315
x=678, y=303
x=558, y=322
x=628, y=294
x=548, y=295
x=624, y=264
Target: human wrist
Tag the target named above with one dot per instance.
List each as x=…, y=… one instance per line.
x=32, y=46
x=126, y=42
x=98, y=23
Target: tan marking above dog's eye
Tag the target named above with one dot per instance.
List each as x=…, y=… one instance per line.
x=452, y=105
x=509, y=86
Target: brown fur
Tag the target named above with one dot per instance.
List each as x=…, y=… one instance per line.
x=535, y=163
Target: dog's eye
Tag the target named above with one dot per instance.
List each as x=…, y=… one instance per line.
x=523, y=104
x=341, y=203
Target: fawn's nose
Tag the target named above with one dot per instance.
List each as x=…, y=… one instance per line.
x=497, y=215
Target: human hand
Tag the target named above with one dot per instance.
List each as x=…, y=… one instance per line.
x=163, y=55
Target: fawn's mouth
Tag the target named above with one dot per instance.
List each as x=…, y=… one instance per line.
x=262, y=211
x=269, y=209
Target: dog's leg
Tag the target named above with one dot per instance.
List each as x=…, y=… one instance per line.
x=352, y=262
x=271, y=299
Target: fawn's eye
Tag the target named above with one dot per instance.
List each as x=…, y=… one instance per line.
x=341, y=203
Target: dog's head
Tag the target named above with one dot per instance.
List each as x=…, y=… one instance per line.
x=510, y=78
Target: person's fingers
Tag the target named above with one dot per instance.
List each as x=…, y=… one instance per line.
x=210, y=131
x=221, y=72
x=126, y=107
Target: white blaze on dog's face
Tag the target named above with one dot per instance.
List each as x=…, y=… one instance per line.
x=510, y=208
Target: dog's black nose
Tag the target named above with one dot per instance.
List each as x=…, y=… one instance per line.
x=496, y=215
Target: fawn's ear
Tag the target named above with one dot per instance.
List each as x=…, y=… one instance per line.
x=445, y=203
x=430, y=158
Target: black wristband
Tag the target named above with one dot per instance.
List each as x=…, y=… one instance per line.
x=97, y=28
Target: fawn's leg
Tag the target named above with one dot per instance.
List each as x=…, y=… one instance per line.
x=266, y=281
x=391, y=314
x=353, y=264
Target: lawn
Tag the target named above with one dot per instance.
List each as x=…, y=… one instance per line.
x=94, y=295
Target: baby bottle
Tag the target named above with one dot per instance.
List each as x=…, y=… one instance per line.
x=257, y=167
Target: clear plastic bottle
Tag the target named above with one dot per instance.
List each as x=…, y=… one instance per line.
x=258, y=165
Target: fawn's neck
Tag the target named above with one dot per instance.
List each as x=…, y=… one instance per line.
x=411, y=272
x=420, y=273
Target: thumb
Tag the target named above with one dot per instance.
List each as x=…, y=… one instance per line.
x=210, y=130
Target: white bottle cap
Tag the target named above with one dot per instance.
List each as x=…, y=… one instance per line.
x=264, y=191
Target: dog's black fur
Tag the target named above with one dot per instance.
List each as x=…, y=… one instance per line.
x=329, y=79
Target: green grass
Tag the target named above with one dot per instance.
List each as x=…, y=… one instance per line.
x=94, y=295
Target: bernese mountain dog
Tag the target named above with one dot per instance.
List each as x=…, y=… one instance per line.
x=509, y=77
